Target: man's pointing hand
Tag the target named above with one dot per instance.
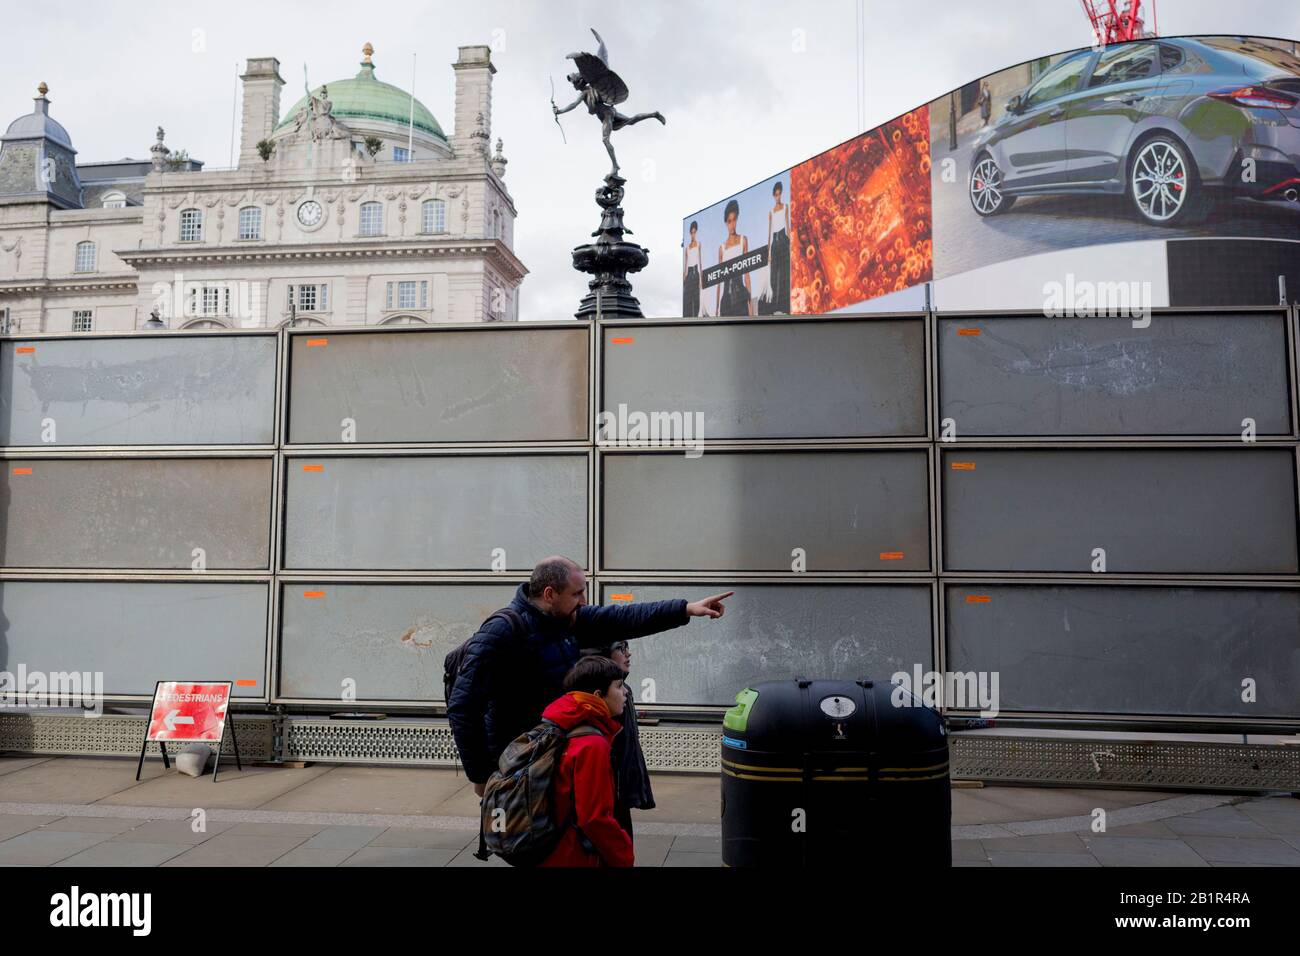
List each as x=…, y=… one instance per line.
x=709, y=606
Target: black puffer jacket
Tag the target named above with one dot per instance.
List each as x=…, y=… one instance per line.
x=631, y=776
x=505, y=682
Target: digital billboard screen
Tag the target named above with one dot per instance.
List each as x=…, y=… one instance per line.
x=1054, y=175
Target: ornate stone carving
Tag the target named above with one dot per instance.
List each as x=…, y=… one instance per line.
x=479, y=139
x=15, y=247
x=317, y=118
x=158, y=153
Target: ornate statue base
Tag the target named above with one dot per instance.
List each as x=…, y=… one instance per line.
x=609, y=260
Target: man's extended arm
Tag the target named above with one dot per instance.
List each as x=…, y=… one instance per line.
x=614, y=622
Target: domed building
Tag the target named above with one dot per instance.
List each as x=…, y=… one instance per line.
x=352, y=207
x=364, y=103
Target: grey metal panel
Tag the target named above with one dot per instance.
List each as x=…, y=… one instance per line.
x=390, y=639
x=136, y=513
x=434, y=513
x=137, y=633
x=848, y=510
x=1226, y=511
x=800, y=379
x=1197, y=374
x=493, y=385
x=166, y=390
x=1180, y=651
x=776, y=632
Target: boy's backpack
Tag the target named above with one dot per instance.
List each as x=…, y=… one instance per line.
x=451, y=664
x=517, y=820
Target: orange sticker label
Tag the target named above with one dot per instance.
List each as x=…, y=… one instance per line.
x=246, y=682
x=317, y=343
x=963, y=466
x=623, y=340
x=25, y=349
x=968, y=331
x=313, y=467
x=977, y=599
x=22, y=471
x=620, y=597
x=891, y=555
x=313, y=594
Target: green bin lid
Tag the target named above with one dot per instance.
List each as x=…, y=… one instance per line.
x=737, y=718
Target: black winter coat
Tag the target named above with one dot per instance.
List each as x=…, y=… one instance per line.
x=505, y=682
x=631, y=776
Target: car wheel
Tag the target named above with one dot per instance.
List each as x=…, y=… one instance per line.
x=986, y=191
x=1163, y=186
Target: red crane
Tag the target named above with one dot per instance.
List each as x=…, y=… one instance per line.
x=1115, y=21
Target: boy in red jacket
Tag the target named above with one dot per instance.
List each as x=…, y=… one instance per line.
x=584, y=782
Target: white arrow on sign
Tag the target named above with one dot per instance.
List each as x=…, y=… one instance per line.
x=171, y=720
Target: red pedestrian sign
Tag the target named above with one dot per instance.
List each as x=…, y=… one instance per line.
x=189, y=712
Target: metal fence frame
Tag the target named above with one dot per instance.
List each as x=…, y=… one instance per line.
x=276, y=576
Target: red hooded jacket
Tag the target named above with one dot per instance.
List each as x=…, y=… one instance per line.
x=584, y=786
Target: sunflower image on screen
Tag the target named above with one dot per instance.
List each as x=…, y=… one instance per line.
x=733, y=294
x=864, y=227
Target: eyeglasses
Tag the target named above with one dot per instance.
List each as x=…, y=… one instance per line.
x=619, y=648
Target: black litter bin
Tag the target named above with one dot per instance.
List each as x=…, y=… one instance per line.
x=826, y=772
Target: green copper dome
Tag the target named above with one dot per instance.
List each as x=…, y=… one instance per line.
x=365, y=98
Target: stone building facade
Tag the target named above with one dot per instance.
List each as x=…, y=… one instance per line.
x=352, y=208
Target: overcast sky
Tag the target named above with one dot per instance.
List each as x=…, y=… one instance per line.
x=748, y=88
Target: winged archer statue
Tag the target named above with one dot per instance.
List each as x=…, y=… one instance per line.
x=601, y=90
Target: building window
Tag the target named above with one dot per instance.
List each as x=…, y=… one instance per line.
x=435, y=216
x=207, y=300
x=114, y=200
x=309, y=298
x=85, y=257
x=401, y=154
x=496, y=224
x=82, y=320
x=216, y=300
x=250, y=222
x=407, y=294
x=372, y=219
x=4, y=321
x=191, y=225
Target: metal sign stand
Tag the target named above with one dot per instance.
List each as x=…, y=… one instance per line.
x=228, y=724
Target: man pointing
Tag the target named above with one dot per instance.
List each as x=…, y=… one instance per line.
x=510, y=673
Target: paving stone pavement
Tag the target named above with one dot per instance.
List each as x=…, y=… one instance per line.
x=331, y=816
